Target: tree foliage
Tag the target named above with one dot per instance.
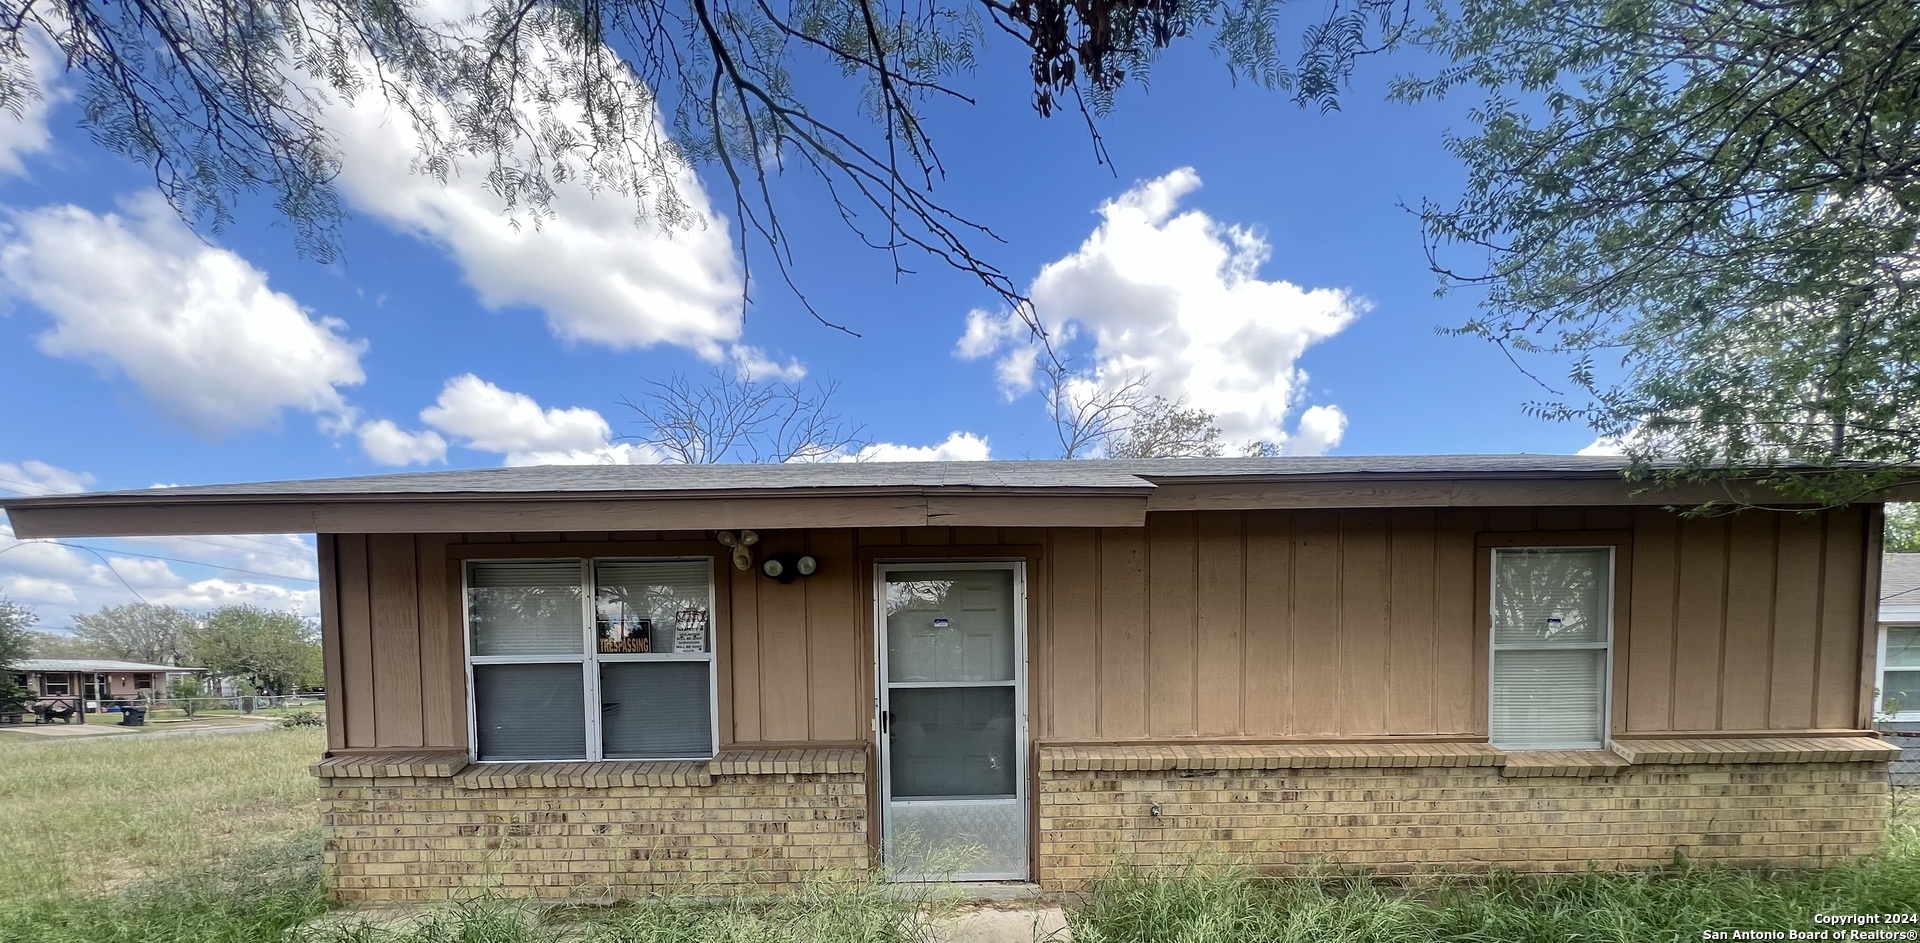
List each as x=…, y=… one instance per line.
x=61, y=645
x=276, y=652
x=153, y=635
x=16, y=643
x=223, y=98
x=1902, y=528
x=1123, y=420
x=1709, y=213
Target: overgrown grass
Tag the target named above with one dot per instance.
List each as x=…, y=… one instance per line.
x=1225, y=904
x=94, y=815
x=255, y=896
x=833, y=908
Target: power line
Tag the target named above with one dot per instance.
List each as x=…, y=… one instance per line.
x=277, y=553
x=155, y=556
x=109, y=564
x=216, y=566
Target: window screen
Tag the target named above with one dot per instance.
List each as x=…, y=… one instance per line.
x=655, y=709
x=1552, y=618
x=525, y=608
x=529, y=712
x=636, y=683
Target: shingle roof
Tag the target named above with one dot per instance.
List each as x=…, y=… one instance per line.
x=91, y=664
x=1023, y=475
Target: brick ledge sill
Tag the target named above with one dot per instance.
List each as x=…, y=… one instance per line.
x=606, y=774
x=1227, y=757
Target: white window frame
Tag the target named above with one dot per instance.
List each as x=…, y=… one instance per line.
x=1912, y=713
x=589, y=658
x=1494, y=647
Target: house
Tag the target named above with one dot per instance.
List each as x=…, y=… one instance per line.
x=1897, y=686
x=96, y=682
x=610, y=679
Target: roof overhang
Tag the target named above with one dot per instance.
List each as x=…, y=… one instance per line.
x=160, y=514
x=1529, y=489
x=983, y=494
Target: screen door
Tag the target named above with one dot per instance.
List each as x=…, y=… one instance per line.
x=952, y=720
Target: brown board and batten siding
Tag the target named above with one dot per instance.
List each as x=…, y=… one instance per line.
x=1221, y=624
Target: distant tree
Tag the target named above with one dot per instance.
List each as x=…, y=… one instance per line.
x=62, y=645
x=16, y=644
x=1903, y=528
x=1122, y=420
x=1164, y=428
x=155, y=635
x=734, y=416
x=277, y=652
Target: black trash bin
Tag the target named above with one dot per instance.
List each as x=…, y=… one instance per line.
x=133, y=717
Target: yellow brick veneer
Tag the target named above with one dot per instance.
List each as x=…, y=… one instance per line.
x=429, y=838
x=414, y=828
x=1410, y=820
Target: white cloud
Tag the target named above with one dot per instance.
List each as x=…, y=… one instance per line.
x=758, y=364
x=1604, y=445
x=26, y=133
x=289, y=556
x=194, y=326
x=1320, y=429
x=59, y=580
x=31, y=477
x=388, y=444
x=623, y=453
x=600, y=274
x=1178, y=296
x=958, y=447
x=485, y=417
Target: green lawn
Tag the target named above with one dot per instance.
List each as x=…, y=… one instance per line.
x=91, y=815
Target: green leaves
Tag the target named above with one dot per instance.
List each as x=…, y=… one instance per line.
x=1700, y=214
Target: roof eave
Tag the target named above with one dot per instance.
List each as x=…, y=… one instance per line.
x=973, y=506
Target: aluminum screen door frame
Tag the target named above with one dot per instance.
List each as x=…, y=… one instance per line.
x=883, y=704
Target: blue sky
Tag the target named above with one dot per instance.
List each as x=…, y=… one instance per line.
x=1250, y=254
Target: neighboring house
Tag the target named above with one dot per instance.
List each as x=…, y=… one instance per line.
x=95, y=681
x=1897, y=687
x=554, y=680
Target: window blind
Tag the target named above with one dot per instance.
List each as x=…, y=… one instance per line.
x=655, y=709
x=1548, y=699
x=530, y=712
x=1550, y=596
x=526, y=608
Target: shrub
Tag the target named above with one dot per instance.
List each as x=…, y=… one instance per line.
x=304, y=719
x=187, y=689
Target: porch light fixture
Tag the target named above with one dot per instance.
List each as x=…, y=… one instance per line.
x=785, y=567
x=742, y=555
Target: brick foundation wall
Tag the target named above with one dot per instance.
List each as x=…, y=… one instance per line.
x=421, y=829
x=1397, y=813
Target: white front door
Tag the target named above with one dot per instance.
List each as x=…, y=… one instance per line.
x=953, y=720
